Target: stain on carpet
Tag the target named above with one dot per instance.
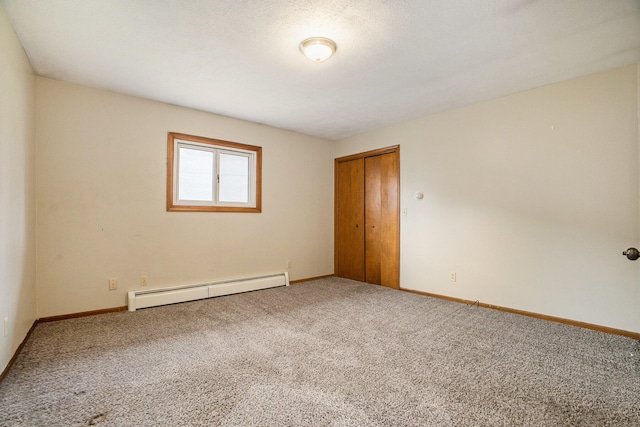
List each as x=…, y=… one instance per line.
x=97, y=419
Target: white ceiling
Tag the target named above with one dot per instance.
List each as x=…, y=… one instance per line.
x=396, y=60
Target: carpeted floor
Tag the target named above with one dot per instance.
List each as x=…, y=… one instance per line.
x=332, y=352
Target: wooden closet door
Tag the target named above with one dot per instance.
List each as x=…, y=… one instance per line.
x=349, y=219
x=382, y=233
x=373, y=219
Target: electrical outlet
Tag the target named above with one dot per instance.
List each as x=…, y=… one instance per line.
x=113, y=284
x=289, y=265
x=5, y=326
x=452, y=276
x=144, y=281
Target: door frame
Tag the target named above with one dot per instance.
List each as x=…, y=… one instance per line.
x=377, y=152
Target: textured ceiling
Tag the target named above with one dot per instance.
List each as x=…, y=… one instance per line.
x=396, y=60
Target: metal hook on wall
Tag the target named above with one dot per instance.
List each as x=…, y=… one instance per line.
x=632, y=254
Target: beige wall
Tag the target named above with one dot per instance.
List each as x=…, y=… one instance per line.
x=101, y=162
x=17, y=204
x=530, y=198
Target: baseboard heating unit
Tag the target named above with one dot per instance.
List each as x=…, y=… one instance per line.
x=154, y=297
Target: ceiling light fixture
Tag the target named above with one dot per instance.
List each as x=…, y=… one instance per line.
x=318, y=49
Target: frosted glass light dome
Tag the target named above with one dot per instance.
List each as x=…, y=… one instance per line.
x=318, y=49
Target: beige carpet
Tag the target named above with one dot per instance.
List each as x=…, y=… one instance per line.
x=327, y=353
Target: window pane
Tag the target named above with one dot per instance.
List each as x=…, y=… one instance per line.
x=234, y=178
x=195, y=175
x=210, y=175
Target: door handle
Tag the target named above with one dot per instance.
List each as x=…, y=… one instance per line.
x=632, y=254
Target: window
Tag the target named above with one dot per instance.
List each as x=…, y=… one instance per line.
x=209, y=175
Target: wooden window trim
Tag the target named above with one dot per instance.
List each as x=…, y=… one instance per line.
x=171, y=207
